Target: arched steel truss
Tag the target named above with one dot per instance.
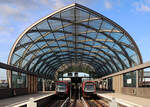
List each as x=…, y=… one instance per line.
x=74, y=34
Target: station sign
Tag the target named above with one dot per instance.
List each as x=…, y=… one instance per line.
x=19, y=81
x=70, y=74
x=129, y=81
x=76, y=74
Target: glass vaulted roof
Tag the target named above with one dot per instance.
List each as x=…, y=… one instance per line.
x=74, y=34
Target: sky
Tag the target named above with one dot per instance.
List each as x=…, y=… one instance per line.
x=17, y=15
x=80, y=74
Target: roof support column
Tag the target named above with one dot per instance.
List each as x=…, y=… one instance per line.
x=137, y=78
x=9, y=78
x=43, y=83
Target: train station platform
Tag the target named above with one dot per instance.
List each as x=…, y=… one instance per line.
x=23, y=100
x=126, y=100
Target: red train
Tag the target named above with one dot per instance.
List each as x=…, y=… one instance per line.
x=88, y=88
x=62, y=88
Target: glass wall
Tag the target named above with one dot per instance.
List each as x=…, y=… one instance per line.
x=104, y=83
x=3, y=78
x=110, y=86
x=40, y=85
x=47, y=84
x=144, y=77
x=129, y=79
x=19, y=80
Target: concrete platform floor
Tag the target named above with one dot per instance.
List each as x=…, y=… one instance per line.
x=131, y=100
x=13, y=101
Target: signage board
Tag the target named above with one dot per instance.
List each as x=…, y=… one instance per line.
x=19, y=81
x=76, y=74
x=69, y=74
x=129, y=81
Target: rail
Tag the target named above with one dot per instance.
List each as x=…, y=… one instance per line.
x=84, y=103
x=65, y=102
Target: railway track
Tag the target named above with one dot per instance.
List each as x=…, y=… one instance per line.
x=56, y=102
x=65, y=103
x=77, y=103
x=94, y=102
x=74, y=101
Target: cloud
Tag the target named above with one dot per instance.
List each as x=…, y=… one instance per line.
x=6, y=35
x=108, y=4
x=21, y=4
x=87, y=2
x=57, y=4
x=2, y=28
x=145, y=8
x=16, y=15
x=142, y=6
x=12, y=13
x=21, y=10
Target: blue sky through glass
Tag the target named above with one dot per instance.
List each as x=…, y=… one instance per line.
x=17, y=15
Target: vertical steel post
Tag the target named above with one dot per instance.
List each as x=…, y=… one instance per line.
x=137, y=79
x=43, y=85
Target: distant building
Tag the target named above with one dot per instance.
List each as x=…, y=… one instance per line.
x=3, y=81
x=3, y=84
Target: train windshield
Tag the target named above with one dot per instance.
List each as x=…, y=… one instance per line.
x=60, y=86
x=89, y=86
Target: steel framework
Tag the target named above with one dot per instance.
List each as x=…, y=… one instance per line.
x=74, y=34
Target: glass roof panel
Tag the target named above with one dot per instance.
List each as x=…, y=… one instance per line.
x=34, y=35
x=124, y=39
x=72, y=35
x=106, y=26
x=81, y=15
x=25, y=39
x=28, y=57
x=20, y=51
x=49, y=36
x=92, y=35
x=68, y=15
x=95, y=23
x=43, y=25
x=81, y=29
x=116, y=36
x=34, y=47
x=55, y=24
x=15, y=58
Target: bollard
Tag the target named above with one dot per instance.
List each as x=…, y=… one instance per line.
x=113, y=103
x=31, y=103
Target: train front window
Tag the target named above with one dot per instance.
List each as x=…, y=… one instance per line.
x=61, y=86
x=89, y=86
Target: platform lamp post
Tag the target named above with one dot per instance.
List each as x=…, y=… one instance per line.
x=90, y=74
